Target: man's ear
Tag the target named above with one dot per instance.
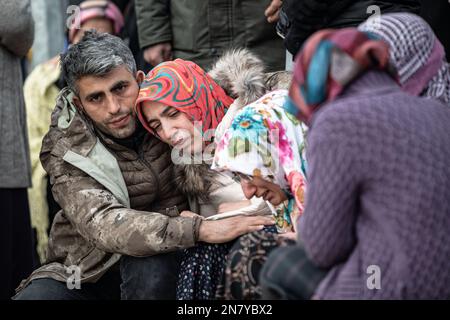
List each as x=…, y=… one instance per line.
x=78, y=103
x=140, y=76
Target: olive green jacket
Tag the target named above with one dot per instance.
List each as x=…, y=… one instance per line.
x=201, y=30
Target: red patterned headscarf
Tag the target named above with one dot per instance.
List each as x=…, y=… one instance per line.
x=186, y=87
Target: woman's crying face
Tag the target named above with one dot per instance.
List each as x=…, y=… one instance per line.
x=172, y=126
x=262, y=188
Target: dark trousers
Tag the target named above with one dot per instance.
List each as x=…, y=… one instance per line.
x=149, y=278
x=16, y=242
x=107, y=288
x=152, y=278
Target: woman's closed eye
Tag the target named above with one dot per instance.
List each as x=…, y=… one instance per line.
x=173, y=113
x=155, y=125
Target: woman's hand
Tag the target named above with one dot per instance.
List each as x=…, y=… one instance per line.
x=289, y=235
x=221, y=231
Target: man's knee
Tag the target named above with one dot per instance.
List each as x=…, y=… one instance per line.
x=46, y=289
x=152, y=277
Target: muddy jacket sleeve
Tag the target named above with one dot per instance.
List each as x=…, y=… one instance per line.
x=99, y=217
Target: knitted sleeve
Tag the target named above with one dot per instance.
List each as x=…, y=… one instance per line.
x=326, y=227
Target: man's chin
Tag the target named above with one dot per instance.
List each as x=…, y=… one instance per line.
x=122, y=133
x=125, y=133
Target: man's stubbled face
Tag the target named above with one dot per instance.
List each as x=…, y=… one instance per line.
x=109, y=101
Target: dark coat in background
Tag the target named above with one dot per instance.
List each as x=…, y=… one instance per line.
x=437, y=13
x=201, y=31
x=129, y=34
x=304, y=17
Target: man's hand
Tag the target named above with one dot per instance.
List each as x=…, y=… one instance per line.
x=158, y=53
x=221, y=231
x=190, y=214
x=273, y=11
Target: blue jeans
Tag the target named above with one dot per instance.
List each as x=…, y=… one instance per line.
x=148, y=278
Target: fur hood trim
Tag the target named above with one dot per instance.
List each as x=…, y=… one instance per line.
x=241, y=74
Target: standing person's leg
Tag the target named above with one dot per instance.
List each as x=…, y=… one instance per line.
x=24, y=246
x=15, y=240
x=6, y=267
x=150, y=278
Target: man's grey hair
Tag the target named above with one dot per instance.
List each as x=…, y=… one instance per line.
x=97, y=54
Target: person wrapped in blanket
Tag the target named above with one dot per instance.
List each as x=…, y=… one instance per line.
x=265, y=150
x=182, y=105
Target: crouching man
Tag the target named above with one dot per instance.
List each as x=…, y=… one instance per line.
x=120, y=230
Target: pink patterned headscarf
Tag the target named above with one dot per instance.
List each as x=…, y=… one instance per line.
x=91, y=9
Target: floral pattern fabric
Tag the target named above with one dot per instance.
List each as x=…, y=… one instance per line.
x=265, y=140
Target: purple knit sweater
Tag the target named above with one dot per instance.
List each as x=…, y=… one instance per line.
x=379, y=194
